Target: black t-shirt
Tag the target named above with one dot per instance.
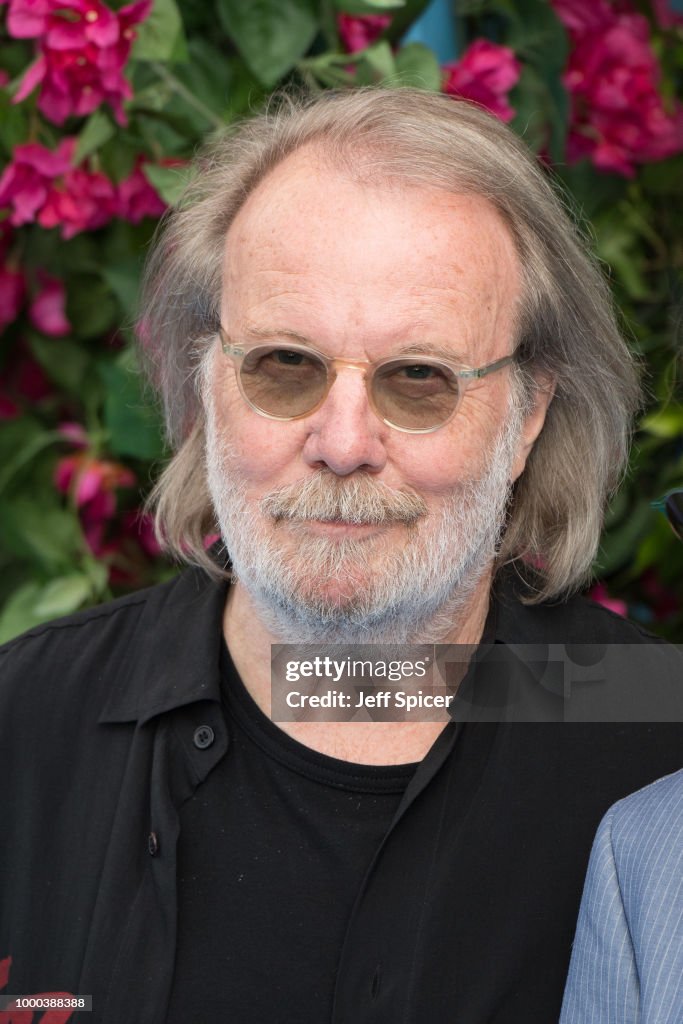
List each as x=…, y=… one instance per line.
x=273, y=849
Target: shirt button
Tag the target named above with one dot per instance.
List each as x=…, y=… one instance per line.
x=153, y=844
x=203, y=737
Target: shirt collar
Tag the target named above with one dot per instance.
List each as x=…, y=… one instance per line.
x=173, y=657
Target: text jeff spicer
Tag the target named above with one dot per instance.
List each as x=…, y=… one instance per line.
x=366, y=699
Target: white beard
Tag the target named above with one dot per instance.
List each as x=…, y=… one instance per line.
x=311, y=589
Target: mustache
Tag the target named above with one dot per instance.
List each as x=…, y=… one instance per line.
x=359, y=500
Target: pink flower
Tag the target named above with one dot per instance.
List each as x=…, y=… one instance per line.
x=485, y=74
x=74, y=433
x=618, y=116
x=81, y=201
x=47, y=311
x=93, y=484
x=26, y=181
x=137, y=198
x=83, y=48
x=357, y=33
x=89, y=478
x=42, y=185
x=600, y=595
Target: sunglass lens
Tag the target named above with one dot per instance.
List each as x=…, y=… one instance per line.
x=674, y=512
x=281, y=382
x=413, y=395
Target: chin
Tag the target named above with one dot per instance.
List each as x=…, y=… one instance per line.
x=333, y=595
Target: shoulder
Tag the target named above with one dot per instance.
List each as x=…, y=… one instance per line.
x=640, y=844
x=84, y=631
x=573, y=619
x=88, y=655
x=651, y=816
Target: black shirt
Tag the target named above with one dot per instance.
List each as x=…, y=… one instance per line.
x=111, y=721
x=273, y=849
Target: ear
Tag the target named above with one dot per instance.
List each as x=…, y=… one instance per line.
x=543, y=395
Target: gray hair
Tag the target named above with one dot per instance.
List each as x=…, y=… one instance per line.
x=566, y=327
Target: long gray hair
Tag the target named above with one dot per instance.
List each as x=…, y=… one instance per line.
x=566, y=327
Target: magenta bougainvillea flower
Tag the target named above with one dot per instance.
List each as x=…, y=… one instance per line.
x=47, y=311
x=485, y=74
x=618, y=116
x=358, y=33
x=137, y=198
x=600, y=594
x=80, y=200
x=83, y=47
x=42, y=185
x=93, y=484
x=74, y=433
x=27, y=180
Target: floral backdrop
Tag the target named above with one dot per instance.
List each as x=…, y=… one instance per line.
x=101, y=107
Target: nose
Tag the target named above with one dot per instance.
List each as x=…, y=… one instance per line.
x=345, y=435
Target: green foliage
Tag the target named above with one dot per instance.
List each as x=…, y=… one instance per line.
x=270, y=34
x=195, y=68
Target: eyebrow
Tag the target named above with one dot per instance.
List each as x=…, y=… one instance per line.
x=425, y=348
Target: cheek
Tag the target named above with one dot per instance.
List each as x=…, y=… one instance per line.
x=267, y=452
x=439, y=464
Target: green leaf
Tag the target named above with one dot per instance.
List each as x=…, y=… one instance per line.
x=65, y=361
x=98, y=129
x=98, y=575
x=376, y=65
x=417, y=65
x=47, y=535
x=618, y=246
x=169, y=182
x=62, y=596
x=13, y=123
x=20, y=441
x=666, y=423
x=617, y=546
x=591, y=190
x=664, y=177
x=161, y=35
x=271, y=35
x=368, y=6
x=124, y=281
x=117, y=157
x=134, y=425
x=403, y=18
x=90, y=307
x=18, y=613
x=539, y=36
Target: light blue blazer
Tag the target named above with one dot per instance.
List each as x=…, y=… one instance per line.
x=627, y=960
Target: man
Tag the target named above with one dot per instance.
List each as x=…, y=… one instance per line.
x=388, y=368
x=627, y=960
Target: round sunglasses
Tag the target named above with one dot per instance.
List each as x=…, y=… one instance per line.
x=413, y=393
x=672, y=507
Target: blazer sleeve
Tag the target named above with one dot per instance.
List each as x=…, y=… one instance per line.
x=603, y=986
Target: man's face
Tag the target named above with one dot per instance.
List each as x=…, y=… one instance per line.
x=363, y=273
